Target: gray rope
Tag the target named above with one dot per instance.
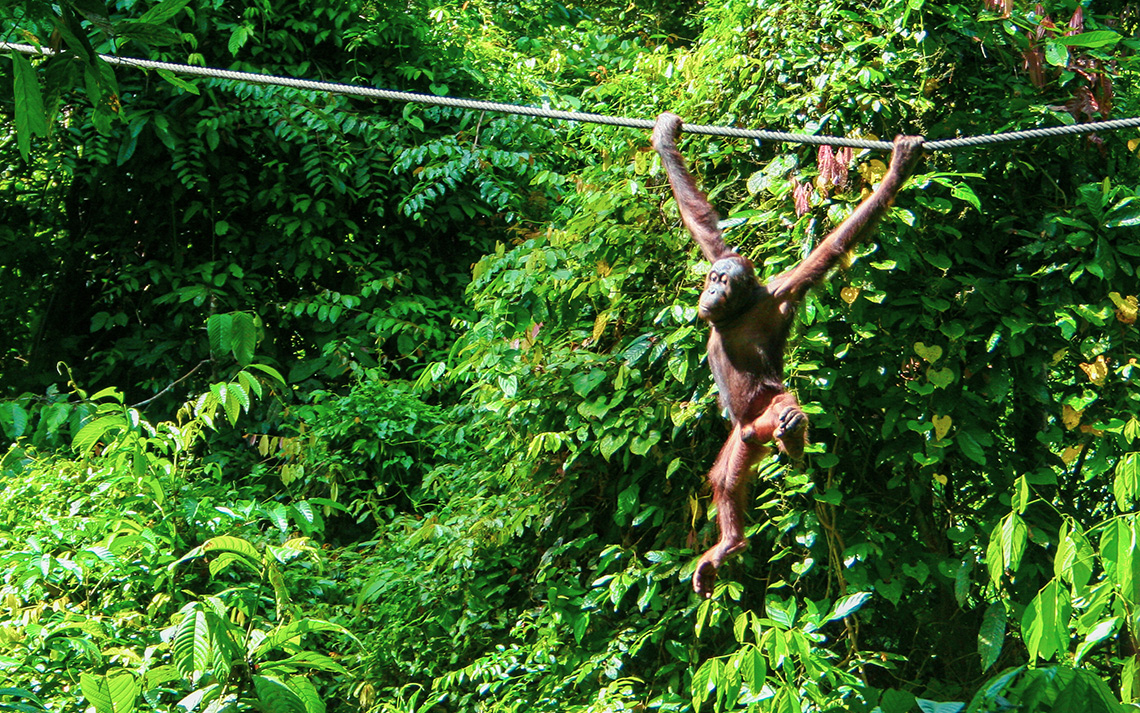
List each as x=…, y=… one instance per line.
x=578, y=116
x=1031, y=134
x=373, y=93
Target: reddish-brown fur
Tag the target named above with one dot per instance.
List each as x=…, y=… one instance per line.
x=749, y=323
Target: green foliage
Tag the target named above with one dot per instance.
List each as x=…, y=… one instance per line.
x=94, y=591
x=347, y=253
x=1053, y=688
x=368, y=450
x=498, y=416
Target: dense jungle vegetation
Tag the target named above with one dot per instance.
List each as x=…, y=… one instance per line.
x=310, y=403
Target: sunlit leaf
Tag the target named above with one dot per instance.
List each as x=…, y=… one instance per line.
x=192, y=646
x=848, y=605
x=115, y=692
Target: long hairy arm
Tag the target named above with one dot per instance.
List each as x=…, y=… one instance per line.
x=860, y=224
x=698, y=216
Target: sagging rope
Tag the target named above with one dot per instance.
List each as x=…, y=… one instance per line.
x=543, y=112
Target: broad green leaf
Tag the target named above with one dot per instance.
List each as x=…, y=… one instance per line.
x=1045, y=624
x=308, y=693
x=930, y=354
x=963, y=192
x=678, y=364
x=222, y=562
x=116, y=692
x=243, y=335
x=229, y=543
x=970, y=447
x=273, y=373
x=249, y=383
x=238, y=37
x=306, y=660
x=218, y=328
x=1129, y=677
x=847, y=605
x=1125, y=214
x=279, y=514
x=953, y=330
x=193, y=649
x=963, y=580
x=31, y=119
x=22, y=693
x=611, y=442
x=146, y=33
x=281, y=597
x=1074, y=559
x=928, y=706
x=896, y=701
x=509, y=385
x=991, y=635
x=704, y=681
x=187, y=86
x=1097, y=634
x=276, y=696
x=636, y=350
x=231, y=403
x=753, y=669
x=740, y=626
x=787, y=700
x=626, y=502
x=584, y=383
x=159, y=675
x=197, y=698
x=639, y=446
x=596, y=409
x=13, y=419
x=299, y=628
x=941, y=378
x=1014, y=534
x=1097, y=38
x=1056, y=53
x=96, y=431
x=648, y=594
x=1126, y=481
x=781, y=612
x=163, y=11
x=239, y=393
x=110, y=392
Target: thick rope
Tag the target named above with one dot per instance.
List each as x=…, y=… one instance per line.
x=543, y=112
x=1031, y=134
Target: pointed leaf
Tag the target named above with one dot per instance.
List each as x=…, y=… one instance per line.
x=192, y=646
x=218, y=328
x=306, y=660
x=96, y=430
x=308, y=693
x=991, y=636
x=30, y=115
x=299, y=628
x=273, y=373
x=115, y=692
x=244, y=337
x=163, y=11
x=1126, y=481
x=229, y=543
x=276, y=696
x=847, y=605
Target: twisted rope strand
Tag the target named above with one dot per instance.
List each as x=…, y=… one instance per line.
x=578, y=116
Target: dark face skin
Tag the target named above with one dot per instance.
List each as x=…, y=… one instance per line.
x=729, y=287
